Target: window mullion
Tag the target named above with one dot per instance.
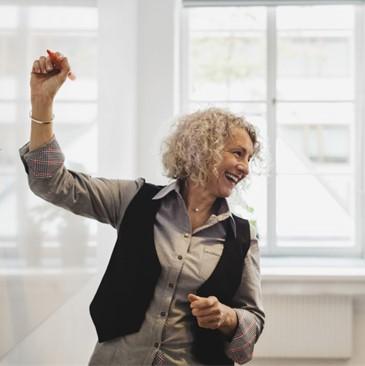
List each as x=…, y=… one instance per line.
x=271, y=127
x=359, y=149
x=21, y=121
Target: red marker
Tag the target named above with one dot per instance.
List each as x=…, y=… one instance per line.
x=56, y=61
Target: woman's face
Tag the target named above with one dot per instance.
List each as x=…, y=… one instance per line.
x=234, y=166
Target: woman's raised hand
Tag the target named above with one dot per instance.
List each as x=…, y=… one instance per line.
x=48, y=75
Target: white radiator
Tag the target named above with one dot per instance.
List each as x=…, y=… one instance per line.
x=306, y=327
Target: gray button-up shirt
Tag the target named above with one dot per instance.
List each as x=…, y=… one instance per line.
x=187, y=258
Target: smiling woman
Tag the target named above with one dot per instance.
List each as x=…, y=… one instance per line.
x=162, y=291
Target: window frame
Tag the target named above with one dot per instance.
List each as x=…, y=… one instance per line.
x=271, y=249
x=11, y=245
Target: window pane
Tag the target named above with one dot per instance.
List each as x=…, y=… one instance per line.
x=80, y=143
x=71, y=113
x=8, y=112
x=8, y=88
x=8, y=64
x=80, y=90
x=315, y=62
x=315, y=113
x=315, y=17
x=310, y=144
x=7, y=209
x=227, y=62
x=8, y=17
x=315, y=211
x=80, y=18
x=314, y=137
x=9, y=150
x=227, y=18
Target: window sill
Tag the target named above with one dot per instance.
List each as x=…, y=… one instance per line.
x=33, y=272
x=313, y=276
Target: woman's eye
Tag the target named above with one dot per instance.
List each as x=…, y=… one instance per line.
x=237, y=153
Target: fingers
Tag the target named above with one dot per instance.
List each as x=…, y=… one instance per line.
x=36, y=67
x=212, y=319
x=212, y=310
x=64, y=64
x=198, y=302
x=55, y=61
x=39, y=66
x=210, y=322
x=207, y=310
x=193, y=297
x=61, y=63
x=49, y=65
x=43, y=65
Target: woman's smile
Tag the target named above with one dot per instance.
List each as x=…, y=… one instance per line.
x=234, y=166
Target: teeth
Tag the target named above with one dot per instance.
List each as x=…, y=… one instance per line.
x=233, y=177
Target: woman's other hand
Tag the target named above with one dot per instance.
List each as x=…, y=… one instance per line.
x=48, y=75
x=212, y=314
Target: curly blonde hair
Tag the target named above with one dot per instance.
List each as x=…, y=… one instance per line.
x=194, y=149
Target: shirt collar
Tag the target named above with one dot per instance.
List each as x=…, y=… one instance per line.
x=222, y=210
x=173, y=186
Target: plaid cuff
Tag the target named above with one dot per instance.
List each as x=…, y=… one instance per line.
x=45, y=161
x=159, y=359
x=240, y=349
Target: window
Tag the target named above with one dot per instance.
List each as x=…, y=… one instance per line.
x=294, y=71
x=34, y=233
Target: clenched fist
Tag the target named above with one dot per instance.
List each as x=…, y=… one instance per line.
x=48, y=75
x=212, y=314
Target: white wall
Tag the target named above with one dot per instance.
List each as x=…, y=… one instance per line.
x=358, y=351
x=117, y=65
x=158, y=80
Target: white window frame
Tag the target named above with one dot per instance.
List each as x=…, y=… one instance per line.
x=358, y=150
x=22, y=106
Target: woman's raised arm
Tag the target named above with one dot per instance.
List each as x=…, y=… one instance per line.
x=48, y=75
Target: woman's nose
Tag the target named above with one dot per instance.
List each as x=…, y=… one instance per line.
x=243, y=167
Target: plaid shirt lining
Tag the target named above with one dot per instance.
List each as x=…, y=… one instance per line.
x=46, y=161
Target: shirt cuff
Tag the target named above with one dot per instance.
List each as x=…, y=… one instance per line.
x=240, y=349
x=44, y=161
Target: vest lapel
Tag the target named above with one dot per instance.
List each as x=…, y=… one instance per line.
x=208, y=344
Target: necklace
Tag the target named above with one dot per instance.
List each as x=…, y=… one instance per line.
x=196, y=209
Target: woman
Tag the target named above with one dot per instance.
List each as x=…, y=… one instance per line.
x=182, y=286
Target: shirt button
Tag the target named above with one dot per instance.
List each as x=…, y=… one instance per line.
x=156, y=345
x=171, y=285
x=186, y=235
x=162, y=313
x=179, y=257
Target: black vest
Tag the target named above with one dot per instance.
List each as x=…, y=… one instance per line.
x=127, y=287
